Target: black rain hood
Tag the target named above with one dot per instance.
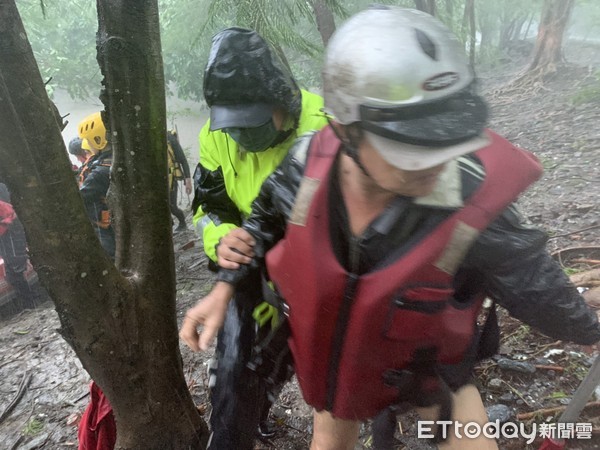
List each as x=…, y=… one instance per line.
x=243, y=68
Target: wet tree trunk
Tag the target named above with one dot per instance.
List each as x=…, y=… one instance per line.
x=325, y=20
x=528, y=26
x=120, y=323
x=547, y=53
x=506, y=33
x=469, y=22
x=450, y=8
x=427, y=6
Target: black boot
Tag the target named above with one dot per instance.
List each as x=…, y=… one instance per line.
x=383, y=428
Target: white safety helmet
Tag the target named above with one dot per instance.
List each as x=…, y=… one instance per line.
x=403, y=76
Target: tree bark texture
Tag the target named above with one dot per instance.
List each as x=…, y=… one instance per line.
x=450, y=8
x=325, y=20
x=427, y=6
x=548, y=47
x=120, y=323
x=470, y=18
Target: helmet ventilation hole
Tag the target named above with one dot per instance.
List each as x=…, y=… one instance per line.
x=426, y=44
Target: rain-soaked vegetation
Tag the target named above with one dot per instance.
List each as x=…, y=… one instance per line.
x=63, y=34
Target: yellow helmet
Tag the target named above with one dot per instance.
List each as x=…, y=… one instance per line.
x=93, y=133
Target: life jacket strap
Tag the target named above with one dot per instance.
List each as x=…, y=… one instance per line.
x=272, y=359
x=420, y=385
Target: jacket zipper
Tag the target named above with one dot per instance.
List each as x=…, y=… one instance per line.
x=341, y=325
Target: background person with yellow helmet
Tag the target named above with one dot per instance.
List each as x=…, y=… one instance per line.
x=94, y=179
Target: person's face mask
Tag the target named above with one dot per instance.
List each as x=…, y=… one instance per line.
x=256, y=139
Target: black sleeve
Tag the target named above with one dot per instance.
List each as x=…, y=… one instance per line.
x=95, y=186
x=272, y=209
x=523, y=278
x=179, y=154
x=210, y=194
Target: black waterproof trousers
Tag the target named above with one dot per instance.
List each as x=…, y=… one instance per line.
x=13, y=249
x=178, y=213
x=239, y=400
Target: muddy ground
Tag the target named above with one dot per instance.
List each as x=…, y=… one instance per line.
x=540, y=116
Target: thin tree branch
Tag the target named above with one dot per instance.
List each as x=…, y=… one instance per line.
x=574, y=232
x=20, y=392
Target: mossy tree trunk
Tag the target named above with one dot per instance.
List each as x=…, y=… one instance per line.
x=120, y=320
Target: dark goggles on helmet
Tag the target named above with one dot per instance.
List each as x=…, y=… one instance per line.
x=438, y=123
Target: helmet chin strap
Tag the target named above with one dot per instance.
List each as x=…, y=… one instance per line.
x=350, y=143
x=282, y=136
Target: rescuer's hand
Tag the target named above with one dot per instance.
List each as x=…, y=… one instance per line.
x=235, y=248
x=208, y=313
x=188, y=186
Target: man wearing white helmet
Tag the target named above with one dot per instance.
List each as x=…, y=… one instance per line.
x=385, y=231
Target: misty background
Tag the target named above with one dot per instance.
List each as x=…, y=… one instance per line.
x=63, y=37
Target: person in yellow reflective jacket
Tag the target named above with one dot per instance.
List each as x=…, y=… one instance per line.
x=240, y=172
x=257, y=112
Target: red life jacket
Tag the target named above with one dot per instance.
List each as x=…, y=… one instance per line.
x=347, y=330
x=97, y=429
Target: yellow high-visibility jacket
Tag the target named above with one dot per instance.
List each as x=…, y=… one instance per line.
x=227, y=181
